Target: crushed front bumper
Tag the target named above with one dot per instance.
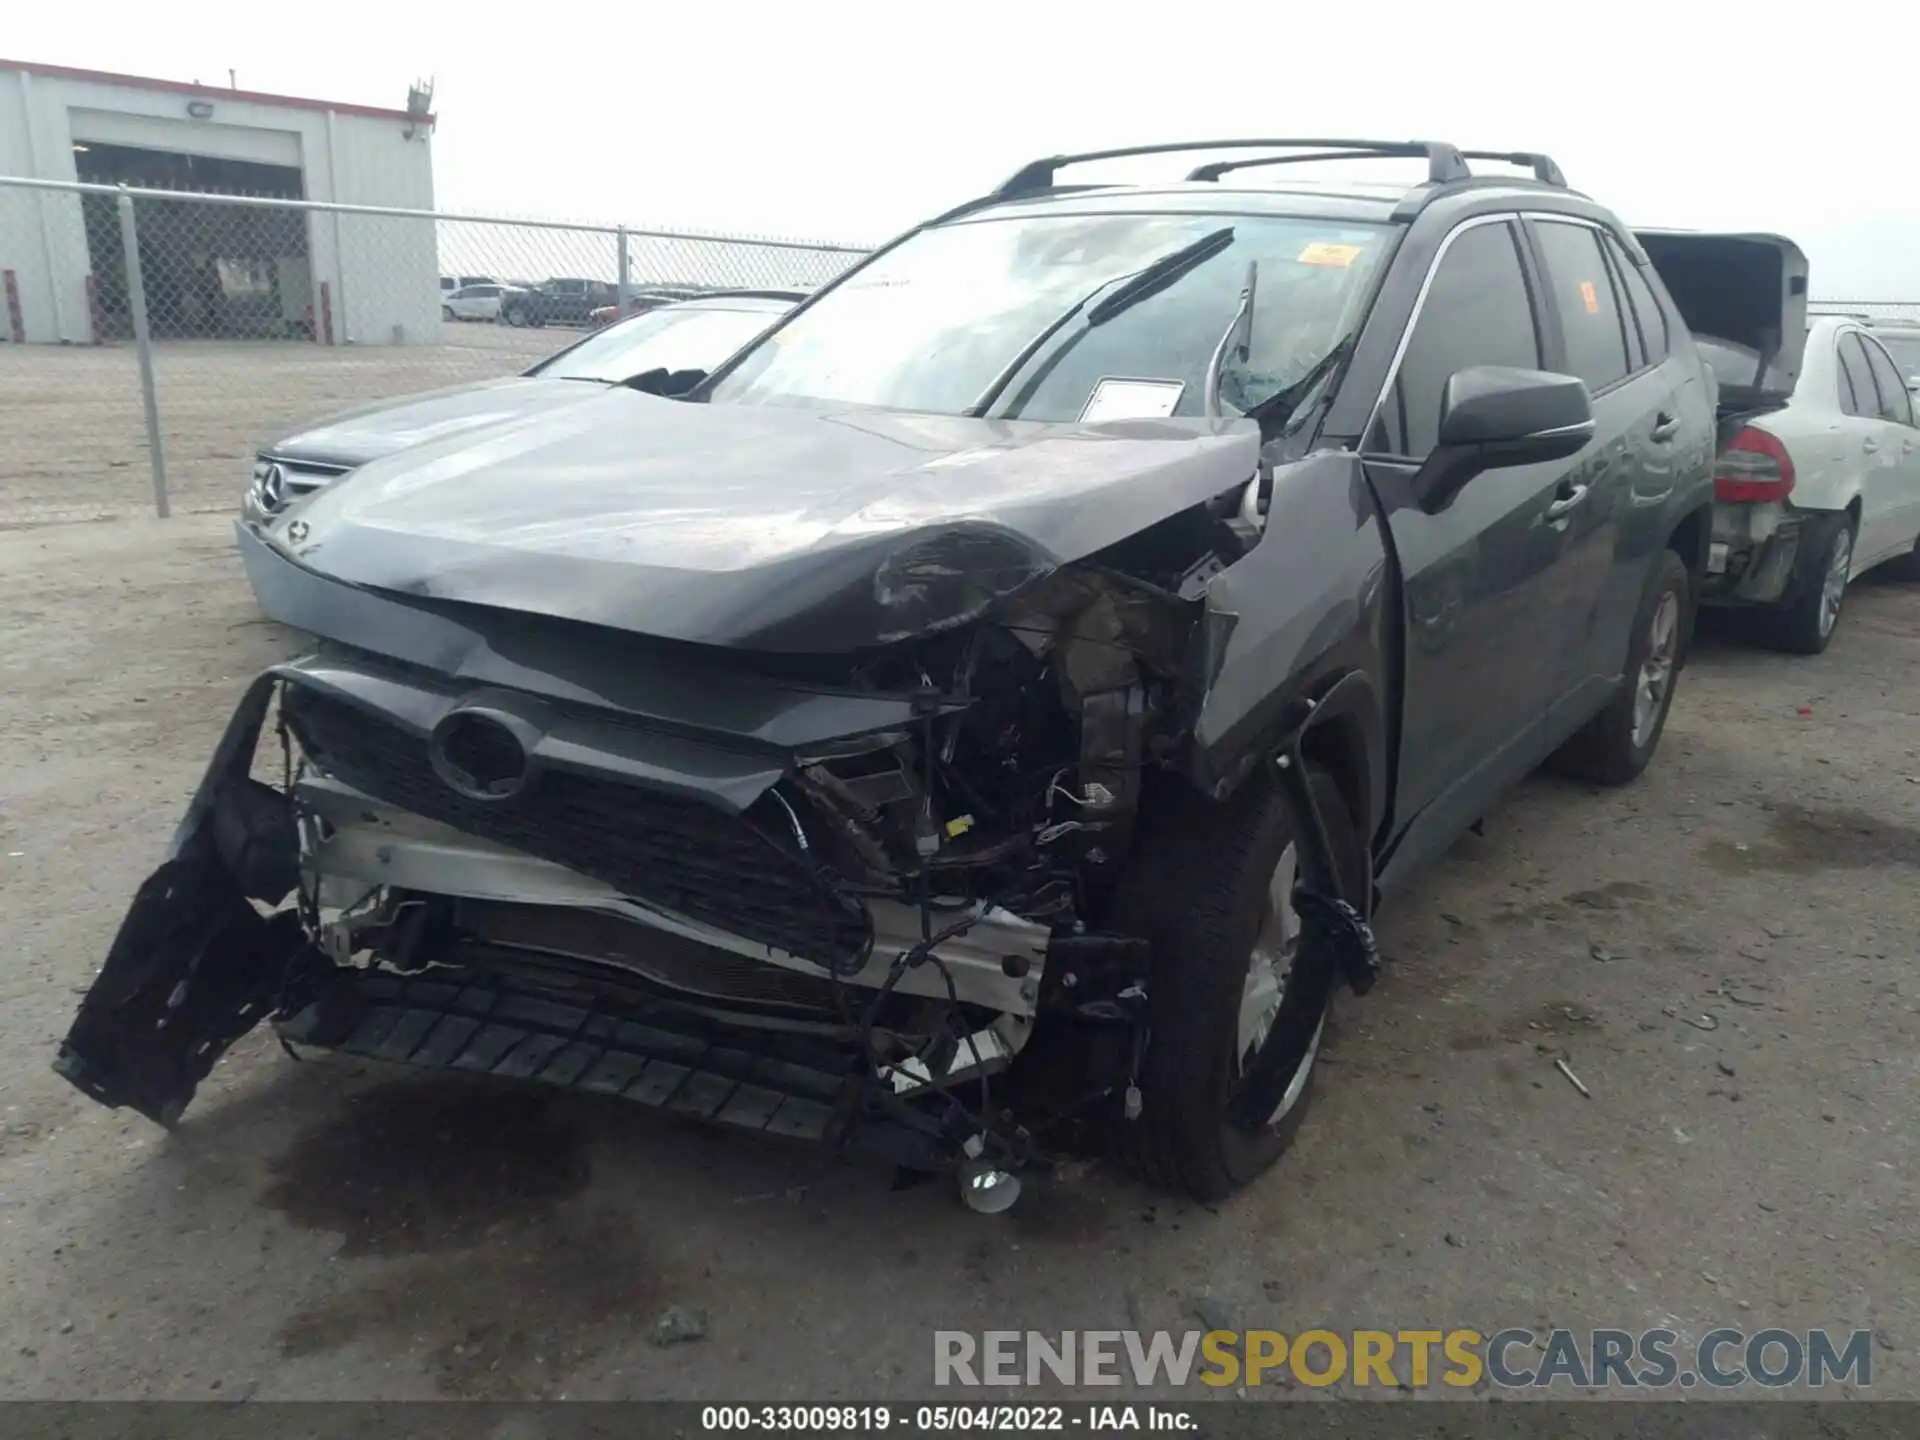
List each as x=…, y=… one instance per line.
x=242, y=922
x=666, y=1059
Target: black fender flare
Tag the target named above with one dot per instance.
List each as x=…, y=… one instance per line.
x=1338, y=716
x=1345, y=711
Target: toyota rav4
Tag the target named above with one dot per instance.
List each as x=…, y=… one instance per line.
x=984, y=712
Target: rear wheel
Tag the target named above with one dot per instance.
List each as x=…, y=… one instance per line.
x=1804, y=623
x=1212, y=890
x=516, y=315
x=1615, y=746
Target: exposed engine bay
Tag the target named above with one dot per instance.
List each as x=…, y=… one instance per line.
x=921, y=894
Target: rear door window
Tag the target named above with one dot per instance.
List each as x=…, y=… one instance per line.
x=1857, y=395
x=1894, y=404
x=1582, y=295
x=1476, y=312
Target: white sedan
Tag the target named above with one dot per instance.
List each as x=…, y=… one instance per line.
x=474, y=302
x=1813, y=492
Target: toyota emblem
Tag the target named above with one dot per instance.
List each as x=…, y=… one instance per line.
x=482, y=754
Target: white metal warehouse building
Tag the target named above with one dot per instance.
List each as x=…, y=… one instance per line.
x=341, y=278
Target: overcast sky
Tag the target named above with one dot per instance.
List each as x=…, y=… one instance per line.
x=842, y=120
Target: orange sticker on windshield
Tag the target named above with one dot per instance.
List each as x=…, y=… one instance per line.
x=1587, y=294
x=1326, y=253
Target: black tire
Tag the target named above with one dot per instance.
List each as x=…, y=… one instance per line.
x=1606, y=750
x=515, y=316
x=446, y=312
x=1198, y=890
x=1801, y=624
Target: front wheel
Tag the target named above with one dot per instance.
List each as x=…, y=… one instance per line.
x=1803, y=623
x=1212, y=889
x=446, y=312
x=515, y=316
x=1615, y=746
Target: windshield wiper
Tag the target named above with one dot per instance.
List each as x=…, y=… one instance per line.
x=1280, y=405
x=1136, y=286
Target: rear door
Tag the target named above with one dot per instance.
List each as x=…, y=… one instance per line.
x=1484, y=629
x=1626, y=473
x=1901, y=445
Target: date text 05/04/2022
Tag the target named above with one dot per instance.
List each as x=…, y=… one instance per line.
x=940, y=1419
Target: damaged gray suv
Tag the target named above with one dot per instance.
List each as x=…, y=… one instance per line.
x=983, y=715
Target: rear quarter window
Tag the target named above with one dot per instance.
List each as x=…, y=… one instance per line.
x=1857, y=396
x=1646, y=310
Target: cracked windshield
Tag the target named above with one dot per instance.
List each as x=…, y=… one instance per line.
x=1025, y=318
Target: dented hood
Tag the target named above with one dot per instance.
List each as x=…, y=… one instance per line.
x=368, y=432
x=770, y=528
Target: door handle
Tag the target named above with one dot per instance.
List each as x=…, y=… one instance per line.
x=1563, y=505
x=1870, y=445
x=1665, y=427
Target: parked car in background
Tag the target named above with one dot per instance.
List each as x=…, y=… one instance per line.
x=451, y=283
x=1037, y=680
x=475, y=302
x=1819, y=479
x=680, y=341
x=642, y=298
x=558, y=302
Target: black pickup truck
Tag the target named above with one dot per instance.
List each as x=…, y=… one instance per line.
x=994, y=702
x=557, y=302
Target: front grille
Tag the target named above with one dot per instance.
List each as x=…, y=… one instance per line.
x=693, y=859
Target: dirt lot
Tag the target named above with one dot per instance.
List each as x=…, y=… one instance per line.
x=1722, y=953
x=73, y=439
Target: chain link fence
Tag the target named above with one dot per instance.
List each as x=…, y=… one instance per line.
x=151, y=341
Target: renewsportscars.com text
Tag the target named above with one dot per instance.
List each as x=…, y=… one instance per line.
x=1721, y=1359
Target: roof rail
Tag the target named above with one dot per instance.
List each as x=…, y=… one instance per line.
x=1544, y=170
x=1443, y=160
x=1215, y=169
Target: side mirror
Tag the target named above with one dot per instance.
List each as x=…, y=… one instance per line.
x=1492, y=416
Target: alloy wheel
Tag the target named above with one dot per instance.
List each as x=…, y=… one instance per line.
x=1269, y=969
x=1833, y=585
x=1656, y=669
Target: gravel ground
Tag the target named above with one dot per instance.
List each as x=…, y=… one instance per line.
x=73, y=439
x=1720, y=953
